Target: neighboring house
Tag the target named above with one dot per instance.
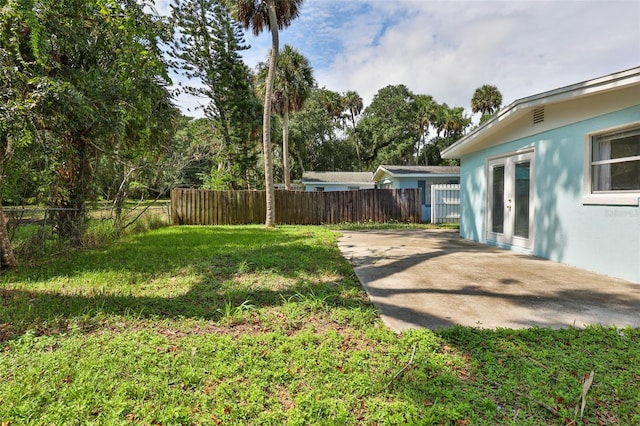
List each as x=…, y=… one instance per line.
x=337, y=181
x=557, y=175
x=416, y=177
x=295, y=186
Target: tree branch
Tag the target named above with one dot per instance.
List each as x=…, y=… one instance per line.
x=406, y=366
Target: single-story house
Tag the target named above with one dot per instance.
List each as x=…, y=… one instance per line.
x=337, y=181
x=557, y=175
x=401, y=177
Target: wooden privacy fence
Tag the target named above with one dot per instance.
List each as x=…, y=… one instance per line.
x=202, y=207
x=445, y=203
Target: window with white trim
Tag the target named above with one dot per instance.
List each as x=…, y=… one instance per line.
x=615, y=161
x=612, y=166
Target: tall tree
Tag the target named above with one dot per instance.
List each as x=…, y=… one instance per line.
x=333, y=104
x=487, y=99
x=425, y=105
x=450, y=125
x=353, y=104
x=206, y=48
x=449, y=122
x=317, y=135
x=388, y=127
x=15, y=120
x=91, y=74
x=291, y=88
x=455, y=122
x=272, y=15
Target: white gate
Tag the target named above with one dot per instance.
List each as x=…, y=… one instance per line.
x=445, y=203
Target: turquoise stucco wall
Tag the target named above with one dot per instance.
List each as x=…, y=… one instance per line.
x=600, y=238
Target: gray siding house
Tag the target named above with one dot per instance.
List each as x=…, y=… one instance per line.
x=337, y=181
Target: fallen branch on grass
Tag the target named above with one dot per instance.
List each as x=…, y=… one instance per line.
x=406, y=366
x=586, y=385
x=549, y=408
x=587, y=381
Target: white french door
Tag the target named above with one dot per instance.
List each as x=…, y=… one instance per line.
x=510, y=200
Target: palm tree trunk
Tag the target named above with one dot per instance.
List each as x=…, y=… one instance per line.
x=357, y=142
x=300, y=161
x=285, y=148
x=424, y=147
x=270, y=219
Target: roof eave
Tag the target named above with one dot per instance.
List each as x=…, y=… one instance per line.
x=425, y=175
x=320, y=182
x=521, y=106
x=335, y=183
x=379, y=172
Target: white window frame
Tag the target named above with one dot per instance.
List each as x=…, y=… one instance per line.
x=611, y=198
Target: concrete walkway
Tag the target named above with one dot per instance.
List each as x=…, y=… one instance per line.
x=433, y=279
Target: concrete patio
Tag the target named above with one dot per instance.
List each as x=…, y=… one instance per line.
x=422, y=278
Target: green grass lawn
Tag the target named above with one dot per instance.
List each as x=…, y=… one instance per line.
x=243, y=325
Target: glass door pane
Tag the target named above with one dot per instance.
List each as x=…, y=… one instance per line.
x=521, y=201
x=497, y=196
x=510, y=207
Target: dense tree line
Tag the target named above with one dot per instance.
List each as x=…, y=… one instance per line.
x=334, y=132
x=83, y=87
x=86, y=112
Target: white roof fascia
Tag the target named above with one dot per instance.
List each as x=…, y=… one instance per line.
x=308, y=182
x=379, y=171
x=521, y=106
x=425, y=175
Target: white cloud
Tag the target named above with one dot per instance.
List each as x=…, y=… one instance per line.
x=449, y=48
x=162, y=7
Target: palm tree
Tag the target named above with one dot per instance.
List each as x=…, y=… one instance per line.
x=332, y=102
x=272, y=15
x=291, y=88
x=426, y=107
x=353, y=104
x=455, y=122
x=486, y=99
x=437, y=117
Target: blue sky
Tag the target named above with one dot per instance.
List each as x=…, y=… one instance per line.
x=447, y=49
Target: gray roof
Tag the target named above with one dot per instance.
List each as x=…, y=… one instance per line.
x=337, y=177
